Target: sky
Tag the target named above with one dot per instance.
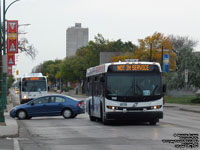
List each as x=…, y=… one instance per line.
x=128, y=20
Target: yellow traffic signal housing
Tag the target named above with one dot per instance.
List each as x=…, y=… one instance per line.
x=17, y=72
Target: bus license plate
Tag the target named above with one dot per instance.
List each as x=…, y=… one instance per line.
x=123, y=104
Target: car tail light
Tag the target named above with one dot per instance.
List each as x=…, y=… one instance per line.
x=80, y=104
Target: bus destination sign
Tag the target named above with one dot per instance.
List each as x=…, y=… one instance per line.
x=34, y=79
x=133, y=67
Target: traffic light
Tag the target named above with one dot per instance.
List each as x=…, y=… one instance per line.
x=17, y=72
x=47, y=74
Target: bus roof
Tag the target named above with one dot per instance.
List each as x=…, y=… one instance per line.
x=32, y=75
x=104, y=67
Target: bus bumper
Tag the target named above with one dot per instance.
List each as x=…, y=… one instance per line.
x=143, y=116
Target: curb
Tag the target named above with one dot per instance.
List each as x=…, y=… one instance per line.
x=189, y=110
x=11, y=129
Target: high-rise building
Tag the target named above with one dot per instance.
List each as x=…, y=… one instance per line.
x=76, y=37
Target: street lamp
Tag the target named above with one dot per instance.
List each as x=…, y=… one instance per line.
x=27, y=24
x=4, y=74
x=20, y=25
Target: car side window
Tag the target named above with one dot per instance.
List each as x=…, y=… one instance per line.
x=59, y=99
x=41, y=100
x=51, y=99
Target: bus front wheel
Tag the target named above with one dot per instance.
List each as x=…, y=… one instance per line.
x=153, y=122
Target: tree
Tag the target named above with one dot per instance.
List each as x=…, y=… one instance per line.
x=185, y=59
x=158, y=40
x=27, y=48
x=10, y=81
x=51, y=67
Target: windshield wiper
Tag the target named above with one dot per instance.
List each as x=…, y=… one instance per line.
x=139, y=89
x=154, y=90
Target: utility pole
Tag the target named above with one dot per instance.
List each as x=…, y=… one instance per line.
x=2, y=118
x=150, y=58
x=162, y=58
x=3, y=77
x=4, y=94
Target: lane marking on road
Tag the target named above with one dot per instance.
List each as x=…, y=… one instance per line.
x=16, y=144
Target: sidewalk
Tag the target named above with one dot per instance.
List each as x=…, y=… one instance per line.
x=10, y=129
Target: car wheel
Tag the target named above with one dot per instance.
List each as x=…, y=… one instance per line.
x=67, y=113
x=21, y=114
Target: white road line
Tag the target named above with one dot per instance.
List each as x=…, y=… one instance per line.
x=16, y=144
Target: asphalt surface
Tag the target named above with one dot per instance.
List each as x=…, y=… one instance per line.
x=79, y=134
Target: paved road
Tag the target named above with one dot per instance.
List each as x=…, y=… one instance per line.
x=55, y=133
x=81, y=134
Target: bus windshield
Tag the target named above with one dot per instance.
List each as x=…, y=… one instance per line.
x=133, y=85
x=33, y=86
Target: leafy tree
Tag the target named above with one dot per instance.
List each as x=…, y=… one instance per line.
x=89, y=55
x=186, y=59
x=158, y=41
x=51, y=67
x=10, y=81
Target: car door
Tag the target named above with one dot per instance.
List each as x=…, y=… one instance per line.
x=38, y=107
x=55, y=105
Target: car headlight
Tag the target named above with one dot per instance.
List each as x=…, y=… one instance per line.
x=13, y=109
x=24, y=97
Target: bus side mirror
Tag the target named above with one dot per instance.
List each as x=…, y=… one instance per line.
x=102, y=79
x=164, y=88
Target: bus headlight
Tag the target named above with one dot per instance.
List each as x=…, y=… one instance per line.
x=156, y=107
x=112, y=107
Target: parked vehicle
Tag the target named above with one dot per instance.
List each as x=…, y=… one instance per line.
x=49, y=105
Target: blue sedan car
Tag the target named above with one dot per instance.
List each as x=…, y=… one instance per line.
x=49, y=105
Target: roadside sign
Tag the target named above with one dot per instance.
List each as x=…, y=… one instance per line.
x=12, y=36
x=11, y=59
x=9, y=70
x=166, y=63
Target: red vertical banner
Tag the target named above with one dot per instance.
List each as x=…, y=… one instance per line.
x=9, y=70
x=12, y=36
x=11, y=59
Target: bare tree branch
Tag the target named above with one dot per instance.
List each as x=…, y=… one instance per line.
x=28, y=49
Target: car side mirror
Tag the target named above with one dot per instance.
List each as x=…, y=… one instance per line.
x=164, y=88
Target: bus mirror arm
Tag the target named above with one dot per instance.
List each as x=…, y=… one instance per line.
x=164, y=88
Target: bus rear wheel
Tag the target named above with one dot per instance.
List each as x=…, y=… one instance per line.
x=92, y=118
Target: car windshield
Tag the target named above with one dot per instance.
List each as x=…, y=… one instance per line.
x=133, y=85
x=33, y=86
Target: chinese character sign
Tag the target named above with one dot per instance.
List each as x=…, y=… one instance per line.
x=12, y=36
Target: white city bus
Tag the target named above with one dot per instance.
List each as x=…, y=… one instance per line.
x=32, y=86
x=125, y=90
